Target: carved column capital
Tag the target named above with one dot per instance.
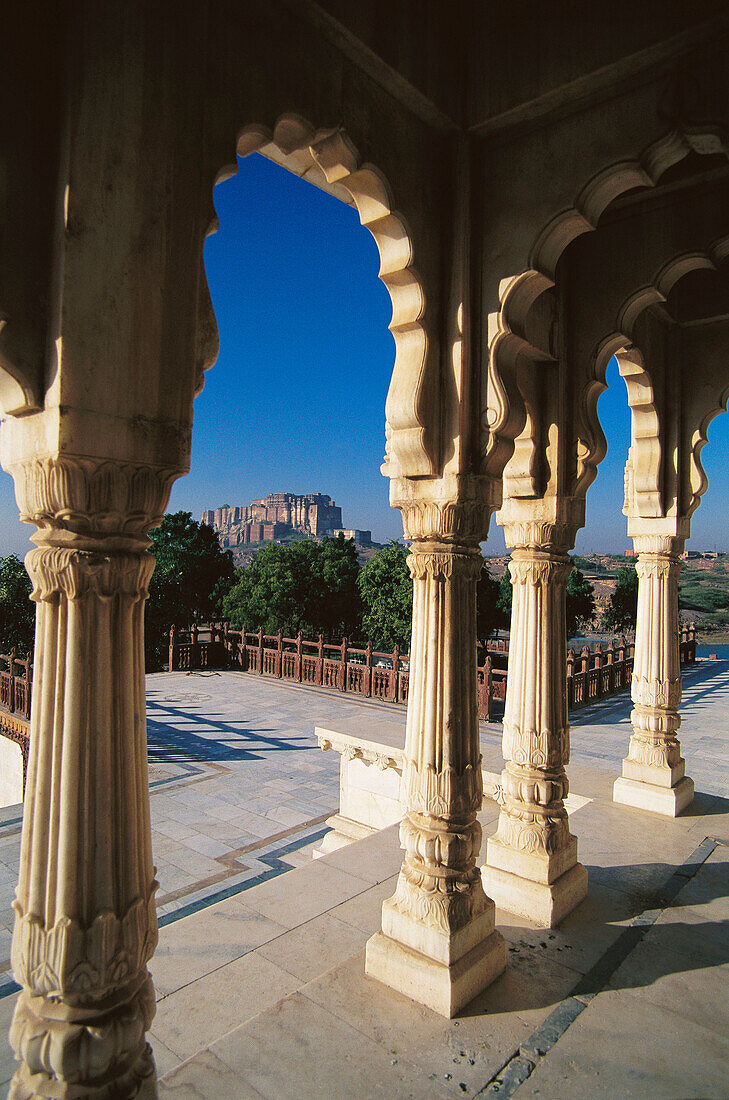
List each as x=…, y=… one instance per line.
x=78, y=500
x=549, y=523
x=65, y=571
x=546, y=536
x=534, y=567
x=445, y=522
x=658, y=545
x=442, y=562
x=454, y=510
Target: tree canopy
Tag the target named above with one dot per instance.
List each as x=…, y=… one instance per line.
x=622, y=610
x=580, y=603
x=307, y=586
x=17, y=610
x=491, y=613
x=319, y=588
x=386, y=589
x=504, y=601
x=190, y=578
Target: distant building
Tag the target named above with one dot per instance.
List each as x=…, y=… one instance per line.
x=280, y=514
x=362, y=538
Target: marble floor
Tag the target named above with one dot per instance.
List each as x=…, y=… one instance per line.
x=240, y=792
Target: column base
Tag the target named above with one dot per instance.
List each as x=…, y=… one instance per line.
x=669, y=801
x=545, y=903
x=658, y=775
x=445, y=989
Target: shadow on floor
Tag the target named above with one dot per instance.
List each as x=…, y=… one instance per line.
x=586, y=953
x=166, y=742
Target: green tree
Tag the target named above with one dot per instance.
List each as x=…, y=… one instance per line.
x=580, y=603
x=306, y=586
x=622, y=610
x=505, y=596
x=337, y=572
x=490, y=614
x=386, y=589
x=269, y=593
x=190, y=579
x=17, y=611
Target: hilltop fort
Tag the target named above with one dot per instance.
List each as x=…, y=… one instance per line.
x=280, y=516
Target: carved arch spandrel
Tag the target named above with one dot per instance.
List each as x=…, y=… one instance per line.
x=327, y=159
x=518, y=328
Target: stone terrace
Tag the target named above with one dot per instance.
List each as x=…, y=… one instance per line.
x=260, y=977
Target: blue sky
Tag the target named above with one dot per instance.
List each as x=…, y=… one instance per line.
x=296, y=400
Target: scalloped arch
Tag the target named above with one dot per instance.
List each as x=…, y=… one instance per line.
x=523, y=323
x=612, y=182
x=697, y=475
x=645, y=419
x=517, y=294
x=327, y=159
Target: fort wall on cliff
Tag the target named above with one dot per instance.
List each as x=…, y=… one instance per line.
x=312, y=515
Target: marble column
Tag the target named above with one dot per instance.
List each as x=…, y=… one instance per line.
x=654, y=771
x=85, y=923
x=531, y=863
x=438, y=944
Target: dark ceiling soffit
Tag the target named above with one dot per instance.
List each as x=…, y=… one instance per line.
x=626, y=72
x=378, y=70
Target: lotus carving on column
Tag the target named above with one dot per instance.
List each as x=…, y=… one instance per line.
x=533, y=832
x=447, y=904
x=657, y=693
x=70, y=959
x=444, y=791
x=654, y=754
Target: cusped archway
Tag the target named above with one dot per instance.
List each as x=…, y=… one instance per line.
x=328, y=160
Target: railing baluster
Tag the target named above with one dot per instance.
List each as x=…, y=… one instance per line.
x=591, y=675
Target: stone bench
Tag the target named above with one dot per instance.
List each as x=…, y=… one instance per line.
x=372, y=750
x=369, y=778
x=11, y=772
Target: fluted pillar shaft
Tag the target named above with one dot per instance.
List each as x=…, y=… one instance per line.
x=85, y=916
x=531, y=863
x=654, y=771
x=438, y=942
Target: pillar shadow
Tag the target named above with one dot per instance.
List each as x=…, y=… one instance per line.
x=543, y=964
x=227, y=741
